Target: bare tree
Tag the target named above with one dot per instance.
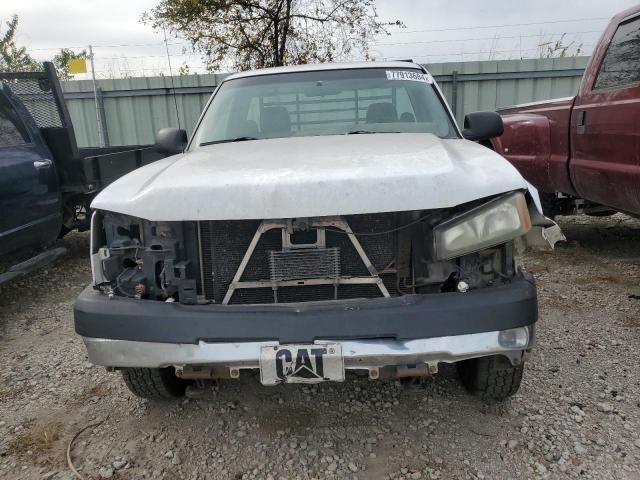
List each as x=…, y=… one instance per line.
x=244, y=34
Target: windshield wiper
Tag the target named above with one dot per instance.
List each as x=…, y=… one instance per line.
x=229, y=140
x=364, y=132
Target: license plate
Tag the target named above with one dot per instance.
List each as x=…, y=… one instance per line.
x=301, y=364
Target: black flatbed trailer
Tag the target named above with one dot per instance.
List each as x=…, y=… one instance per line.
x=46, y=181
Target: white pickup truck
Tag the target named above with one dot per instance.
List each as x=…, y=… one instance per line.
x=322, y=219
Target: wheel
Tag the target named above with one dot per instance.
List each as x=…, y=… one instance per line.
x=154, y=383
x=552, y=206
x=68, y=215
x=63, y=231
x=491, y=378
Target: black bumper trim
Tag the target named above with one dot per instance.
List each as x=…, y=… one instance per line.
x=401, y=318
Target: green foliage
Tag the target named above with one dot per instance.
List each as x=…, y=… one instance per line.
x=246, y=34
x=16, y=59
x=184, y=69
x=61, y=61
x=12, y=57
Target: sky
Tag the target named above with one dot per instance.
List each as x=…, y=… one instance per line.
x=436, y=31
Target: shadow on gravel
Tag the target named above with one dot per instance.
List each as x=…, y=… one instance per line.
x=56, y=283
x=616, y=237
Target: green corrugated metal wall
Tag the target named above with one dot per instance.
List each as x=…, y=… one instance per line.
x=495, y=94
x=135, y=119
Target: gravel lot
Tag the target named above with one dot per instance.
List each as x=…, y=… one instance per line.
x=577, y=414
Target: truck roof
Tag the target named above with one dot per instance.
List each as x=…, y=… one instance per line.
x=323, y=66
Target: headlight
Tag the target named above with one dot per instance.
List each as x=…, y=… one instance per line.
x=488, y=225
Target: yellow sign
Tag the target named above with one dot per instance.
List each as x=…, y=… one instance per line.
x=77, y=65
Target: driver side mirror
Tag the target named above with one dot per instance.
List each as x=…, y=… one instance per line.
x=171, y=140
x=479, y=126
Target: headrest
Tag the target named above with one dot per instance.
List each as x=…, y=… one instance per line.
x=382, y=113
x=275, y=121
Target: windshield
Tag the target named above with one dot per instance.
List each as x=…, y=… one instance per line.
x=325, y=102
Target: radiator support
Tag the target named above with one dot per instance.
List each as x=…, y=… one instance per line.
x=300, y=256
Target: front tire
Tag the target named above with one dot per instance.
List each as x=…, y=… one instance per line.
x=491, y=378
x=154, y=383
x=552, y=206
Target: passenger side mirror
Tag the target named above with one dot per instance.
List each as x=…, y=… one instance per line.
x=171, y=140
x=479, y=126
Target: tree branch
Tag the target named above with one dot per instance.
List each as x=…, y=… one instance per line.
x=256, y=33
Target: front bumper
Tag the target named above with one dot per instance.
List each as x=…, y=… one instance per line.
x=412, y=329
x=358, y=354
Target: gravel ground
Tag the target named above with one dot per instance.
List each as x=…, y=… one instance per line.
x=577, y=414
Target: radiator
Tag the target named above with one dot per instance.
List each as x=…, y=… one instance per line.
x=223, y=245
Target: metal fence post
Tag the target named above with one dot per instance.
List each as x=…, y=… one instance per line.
x=454, y=93
x=103, y=116
x=95, y=98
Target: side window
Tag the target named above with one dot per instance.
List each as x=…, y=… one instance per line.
x=11, y=130
x=621, y=64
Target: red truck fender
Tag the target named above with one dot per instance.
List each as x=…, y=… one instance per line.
x=526, y=143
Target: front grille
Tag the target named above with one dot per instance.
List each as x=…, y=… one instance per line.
x=223, y=245
x=304, y=263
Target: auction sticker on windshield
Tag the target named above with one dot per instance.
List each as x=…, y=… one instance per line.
x=408, y=75
x=301, y=363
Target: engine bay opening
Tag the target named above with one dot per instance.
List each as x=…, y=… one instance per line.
x=290, y=260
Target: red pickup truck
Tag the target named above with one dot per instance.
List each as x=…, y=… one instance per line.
x=584, y=151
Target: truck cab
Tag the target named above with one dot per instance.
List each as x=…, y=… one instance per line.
x=585, y=150
x=30, y=197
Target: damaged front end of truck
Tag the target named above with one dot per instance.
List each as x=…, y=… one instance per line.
x=307, y=257
x=271, y=261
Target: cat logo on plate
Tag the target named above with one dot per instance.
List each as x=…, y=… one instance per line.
x=301, y=364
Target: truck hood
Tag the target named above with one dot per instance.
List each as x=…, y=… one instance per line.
x=311, y=177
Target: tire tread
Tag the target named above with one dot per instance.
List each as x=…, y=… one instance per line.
x=491, y=378
x=153, y=383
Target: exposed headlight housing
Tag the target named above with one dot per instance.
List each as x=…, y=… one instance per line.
x=136, y=258
x=488, y=225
